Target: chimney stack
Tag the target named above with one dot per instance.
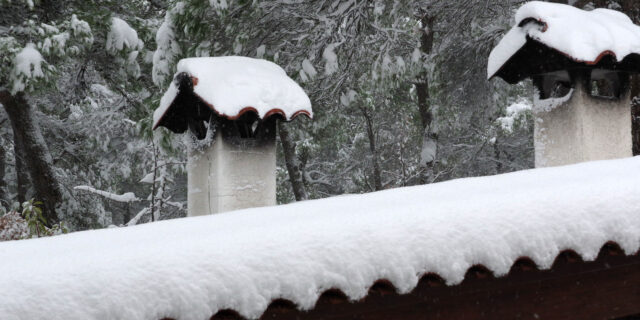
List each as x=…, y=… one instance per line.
x=230, y=106
x=580, y=63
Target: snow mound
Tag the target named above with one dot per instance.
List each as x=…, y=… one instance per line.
x=233, y=85
x=584, y=36
x=190, y=268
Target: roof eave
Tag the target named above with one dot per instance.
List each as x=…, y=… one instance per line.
x=268, y=114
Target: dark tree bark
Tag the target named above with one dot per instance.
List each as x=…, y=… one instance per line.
x=422, y=83
x=4, y=200
x=292, y=163
x=29, y=139
x=429, y=135
x=496, y=155
x=22, y=174
x=377, y=174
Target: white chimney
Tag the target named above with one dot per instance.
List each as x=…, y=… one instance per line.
x=592, y=122
x=233, y=173
x=580, y=63
x=230, y=105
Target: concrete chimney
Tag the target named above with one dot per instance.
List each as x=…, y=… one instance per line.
x=591, y=122
x=230, y=107
x=580, y=63
x=234, y=172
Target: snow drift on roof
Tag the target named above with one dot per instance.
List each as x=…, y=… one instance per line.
x=583, y=36
x=190, y=268
x=233, y=85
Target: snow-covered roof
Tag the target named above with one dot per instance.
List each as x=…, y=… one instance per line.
x=231, y=86
x=193, y=267
x=579, y=35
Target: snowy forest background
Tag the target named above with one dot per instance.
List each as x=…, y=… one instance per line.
x=398, y=88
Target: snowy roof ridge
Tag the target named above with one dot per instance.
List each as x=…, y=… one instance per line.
x=583, y=36
x=244, y=260
x=232, y=85
x=335, y=295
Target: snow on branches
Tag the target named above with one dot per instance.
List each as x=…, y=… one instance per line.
x=168, y=48
x=514, y=113
x=13, y=226
x=330, y=58
x=122, y=37
x=27, y=68
x=24, y=50
x=124, y=44
x=125, y=197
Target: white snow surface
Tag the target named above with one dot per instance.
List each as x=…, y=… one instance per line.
x=192, y=267
x=583, y=35
x=233, y=83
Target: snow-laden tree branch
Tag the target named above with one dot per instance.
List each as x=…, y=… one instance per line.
x=125, y=197
x=139, y=215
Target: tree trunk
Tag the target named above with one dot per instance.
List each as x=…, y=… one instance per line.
x=28, y=137
x=422, y=83
x=4, y=199
x=377, y=175
x=22, y=174
x=293, y=165
x=496, y=155
x=429, y=135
